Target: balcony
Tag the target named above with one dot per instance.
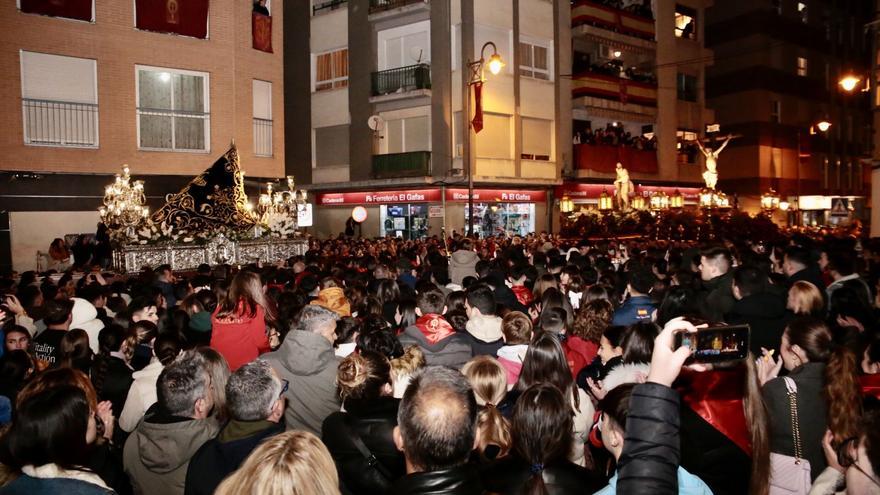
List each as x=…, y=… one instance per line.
x=588, y=16
x=60, y=123
x=604, y=158
x=386, y=9
x=636, y=96
x=325, y=7
x=262, y=137
x=403, y=82
x=396, y=165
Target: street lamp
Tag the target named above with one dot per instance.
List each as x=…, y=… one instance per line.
x=769, y=201
x=495, y=64
x=605, y=202
x=849, y=82
x=638, y=202
x=659, y=201
x=822, y=126
x=566, y=205
x=676, y=200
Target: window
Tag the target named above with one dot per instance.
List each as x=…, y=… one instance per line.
x=173, y=110
x=533, y=61
x=59, y=98
x=775, y=111
x=407, y=134
x=685, y=22
x=687, y=150
x=494, y=140
x=802, y=66
x=331, y=70
x=262, y=91
x=802, y=12
x=331, y=146
x=687, y=87
x=537, y=139
x=404, y=46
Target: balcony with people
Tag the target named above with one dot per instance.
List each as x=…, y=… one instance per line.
x=630, y=18
x=610, y=78
x=600, y=144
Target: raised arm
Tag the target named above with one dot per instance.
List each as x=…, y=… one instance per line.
x=700, y=145
x=729, y=137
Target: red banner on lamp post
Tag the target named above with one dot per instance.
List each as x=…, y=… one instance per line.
x=478, y=105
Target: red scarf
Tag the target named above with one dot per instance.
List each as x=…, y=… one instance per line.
x=523, y=294
x=434, y=327
x=870, y=385
x=717, y=397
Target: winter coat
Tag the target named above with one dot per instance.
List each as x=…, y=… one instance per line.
x=307, y=361
x=68, y=482
x=220, y=456
x=717, y=297
x=484, y=334
x=634, y=310
x=453, y=351
x=459, y=480
x=157, y=453
x=462, y=264
x=141, y=395
x=374, y=422
x=766, y=315
x=117, y=381
x=650, y=458
x=810, y=274
x=578, y=353
x=812, y=414
x=511, y=359
x=509, y=475
x=240, y=338
x=85, y=317
x=333, y=298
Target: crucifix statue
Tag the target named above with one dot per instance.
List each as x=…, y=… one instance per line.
x=711, y=173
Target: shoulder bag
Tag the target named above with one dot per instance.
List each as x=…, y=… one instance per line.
x=790, y=475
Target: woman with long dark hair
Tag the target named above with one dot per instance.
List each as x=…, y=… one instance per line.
x=111, y=373
x=75, y=352
x=545, y=362
x=826, y=376
x=539, y=462
x=242, y=325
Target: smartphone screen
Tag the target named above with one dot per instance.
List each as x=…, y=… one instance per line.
x=715, y=344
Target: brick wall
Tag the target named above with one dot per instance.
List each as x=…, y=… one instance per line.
x=117, y=46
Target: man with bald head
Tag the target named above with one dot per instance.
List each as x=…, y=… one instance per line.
x=436, y=432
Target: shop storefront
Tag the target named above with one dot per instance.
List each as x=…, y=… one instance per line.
x=832, y=211
x=419, y=213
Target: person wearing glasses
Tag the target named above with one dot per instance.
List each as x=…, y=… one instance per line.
x=255, y=403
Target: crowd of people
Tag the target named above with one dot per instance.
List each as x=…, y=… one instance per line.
x=641, y=8
x=613, y=135
x=524, y=365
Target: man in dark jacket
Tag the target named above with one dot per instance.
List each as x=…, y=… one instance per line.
x=306, y=359
x=639, y=307
x=717, y=293
x=157, y=454
x=434, y=335
x=256, y=410
x=798, y=265
x=436, y=432
x=763, y=310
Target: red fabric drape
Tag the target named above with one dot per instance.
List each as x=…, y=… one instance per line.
x=604, y=158
x=262, y=30
x=478, y=105
x=184, y=17
x=72, y=9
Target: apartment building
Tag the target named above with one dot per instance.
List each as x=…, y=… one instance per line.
x=374, y=112
x=776, y=78
x=637, y=96
x=161, y=86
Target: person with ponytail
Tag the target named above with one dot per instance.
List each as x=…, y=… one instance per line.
x=142, y=393
x=538, y=463
x=828, y=394
x=242, y=327
x=75, y=351
x=111, y=373
x=488, y=379
x=363, y=429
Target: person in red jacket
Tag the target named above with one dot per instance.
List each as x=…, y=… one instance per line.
x=241, y=326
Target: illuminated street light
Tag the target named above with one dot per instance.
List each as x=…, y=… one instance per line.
x=849, y=82
x=823, y=125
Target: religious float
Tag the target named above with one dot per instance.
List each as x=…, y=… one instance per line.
x=208, y=221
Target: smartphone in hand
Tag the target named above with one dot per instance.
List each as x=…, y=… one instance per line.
x=716, y=344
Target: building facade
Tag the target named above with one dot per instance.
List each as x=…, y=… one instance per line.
x=776, y=77
x=377, y=118
x=85, y=91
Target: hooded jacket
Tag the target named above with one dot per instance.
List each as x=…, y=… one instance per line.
x=157, y=454
x=485, y=334
x=453, y=350
x=307, y=361
x=462, y=264
x=239, y=338
x=141, y=395
x=766, y=316
x=85, y=317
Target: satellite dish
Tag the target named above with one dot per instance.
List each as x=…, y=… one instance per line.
x=376, y=123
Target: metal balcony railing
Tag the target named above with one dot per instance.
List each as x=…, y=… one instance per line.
x=330, y=6
x=401, y=80
x=262, y=137
x=60, y=123
x=380, y=5
x=394, y=165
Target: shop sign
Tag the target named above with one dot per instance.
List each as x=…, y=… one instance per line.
x=435, y=211
x=498, y=195
x=814, y=202
x=840, y=207
x=378, y=197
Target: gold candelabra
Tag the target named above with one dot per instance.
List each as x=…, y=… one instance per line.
x=287, y=202
x=124, y=202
